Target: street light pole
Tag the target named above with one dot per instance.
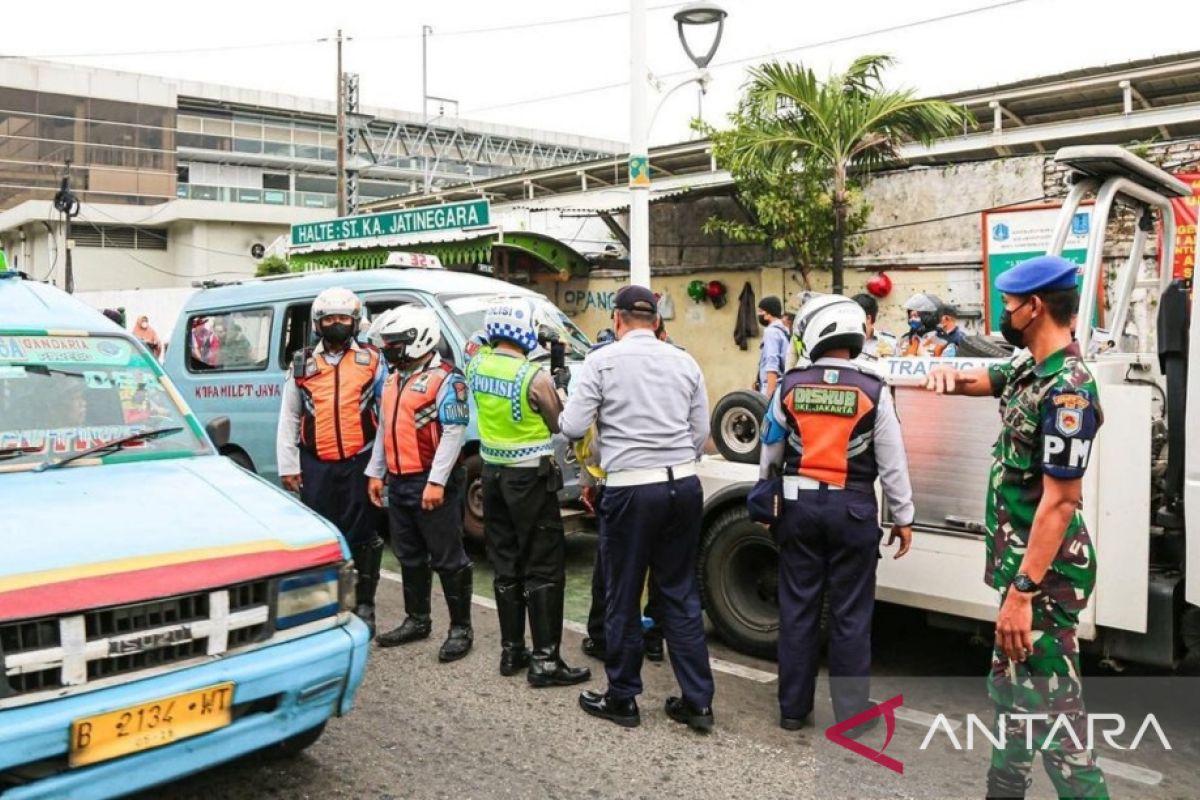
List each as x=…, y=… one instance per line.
x=639, y=161
x=341, y=131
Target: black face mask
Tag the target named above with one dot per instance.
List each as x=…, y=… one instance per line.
x=763, y=321
x=337, y=333
x=1011, y=333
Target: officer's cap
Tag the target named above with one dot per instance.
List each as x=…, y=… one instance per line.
x=636, y=298
x=1044, y=273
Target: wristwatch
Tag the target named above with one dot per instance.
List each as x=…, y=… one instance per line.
x=1025, y=584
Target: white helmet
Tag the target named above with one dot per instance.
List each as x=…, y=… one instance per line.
x=333, y=302
x=410, y=331
x=829, y=321
x=512, y=319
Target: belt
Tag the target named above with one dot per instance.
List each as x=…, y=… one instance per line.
x=794, y=484
x=641, y=477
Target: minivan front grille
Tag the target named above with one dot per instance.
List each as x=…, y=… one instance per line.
x=130, y=638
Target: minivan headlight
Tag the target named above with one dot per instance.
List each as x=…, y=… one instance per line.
x=308, y=596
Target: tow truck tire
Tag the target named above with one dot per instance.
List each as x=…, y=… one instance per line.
x=739, y=574
x=473, y=498
x=297, y=744
x=735, y=426
x=983, y=347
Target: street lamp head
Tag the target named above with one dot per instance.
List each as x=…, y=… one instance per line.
x=696, y=15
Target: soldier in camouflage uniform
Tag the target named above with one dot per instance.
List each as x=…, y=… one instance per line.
x=1039, y=554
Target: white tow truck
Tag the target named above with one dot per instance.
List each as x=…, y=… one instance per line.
x=1141, y=496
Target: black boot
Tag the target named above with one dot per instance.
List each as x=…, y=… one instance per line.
x=368, y=558
x=510, y=607
x=456, y=587
x=1006, y=785
x=546, y=667
x=417, y=624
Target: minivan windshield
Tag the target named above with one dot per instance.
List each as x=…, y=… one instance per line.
x=62, y=395
x=468, y=311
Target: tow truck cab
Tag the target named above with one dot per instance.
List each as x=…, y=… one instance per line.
x=161, y=609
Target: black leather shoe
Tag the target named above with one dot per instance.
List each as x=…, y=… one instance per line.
x=414, y=629
x=596, y=648
x=599, y=704
x=652, y=648
x=796, y=723
x=683, y=712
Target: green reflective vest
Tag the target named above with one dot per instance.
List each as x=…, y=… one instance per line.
x=510, y=430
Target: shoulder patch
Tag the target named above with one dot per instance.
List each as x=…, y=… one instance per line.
x=1068, y=421
x=1077, y=401
x=362, y=357
x=831, y=376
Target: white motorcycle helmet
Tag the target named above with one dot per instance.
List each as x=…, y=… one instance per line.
x=511, y=319
x=406, y=333
x=828, y=322
x=336, y=301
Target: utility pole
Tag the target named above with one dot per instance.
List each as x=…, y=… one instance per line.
x=341, y=131
x=425, y=31
x=639, y=161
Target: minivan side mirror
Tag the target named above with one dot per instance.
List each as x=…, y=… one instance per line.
x=218, y=430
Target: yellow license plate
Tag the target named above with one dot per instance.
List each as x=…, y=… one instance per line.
x=151, y=724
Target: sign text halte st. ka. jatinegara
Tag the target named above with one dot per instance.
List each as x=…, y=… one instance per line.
x=405, y=222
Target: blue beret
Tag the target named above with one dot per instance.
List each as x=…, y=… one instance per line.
x=1044, y=273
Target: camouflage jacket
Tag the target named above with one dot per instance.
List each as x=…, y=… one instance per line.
x=1051, y=413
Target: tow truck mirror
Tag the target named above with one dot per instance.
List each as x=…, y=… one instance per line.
x=218, y=430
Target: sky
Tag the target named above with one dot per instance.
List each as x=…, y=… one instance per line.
x=495, y=74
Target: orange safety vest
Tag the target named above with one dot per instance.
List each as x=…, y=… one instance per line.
x=411, y=426
x=338, y=417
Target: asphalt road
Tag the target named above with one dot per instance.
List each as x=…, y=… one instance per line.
x=425, y=730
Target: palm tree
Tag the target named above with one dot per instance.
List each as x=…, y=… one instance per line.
x=846, y=123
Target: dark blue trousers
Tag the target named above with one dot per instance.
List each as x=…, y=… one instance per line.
x=337, y=490
x=655, y=526
x=828, y=545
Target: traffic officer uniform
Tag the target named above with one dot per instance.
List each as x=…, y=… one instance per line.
x=327, y=423
x=914, y=343
x=1051, y=413
x=832, y=427
x=587, y=454
x=648, y=402
x=424, y=416
x=518, y=408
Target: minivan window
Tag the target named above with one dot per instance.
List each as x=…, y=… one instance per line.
x=230, y=341
x=61, y=395
x=468, y=311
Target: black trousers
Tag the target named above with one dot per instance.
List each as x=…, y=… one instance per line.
x=828, y=545
x=523, y=525
x=420, y=538
x=655, y=527
x=337, y=490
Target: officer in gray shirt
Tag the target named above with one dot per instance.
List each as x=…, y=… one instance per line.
x=650, y=407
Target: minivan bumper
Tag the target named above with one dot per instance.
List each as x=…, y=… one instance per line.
x=280, y=691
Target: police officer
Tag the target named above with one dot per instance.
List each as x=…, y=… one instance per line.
x=424, y=415
x=648, y=402
x=1040, y=557
x=326, y=429
x=832, y=428
x=519, y=407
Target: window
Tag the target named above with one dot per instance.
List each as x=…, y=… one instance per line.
x=183, y=174
x=234, y=341
x=275, y=180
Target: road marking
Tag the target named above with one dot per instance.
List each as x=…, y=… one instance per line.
x=921, y=718
x=718, y=664
x=1129, y=772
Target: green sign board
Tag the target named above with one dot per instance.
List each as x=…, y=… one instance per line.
x=406, y=222
x=1018, y=234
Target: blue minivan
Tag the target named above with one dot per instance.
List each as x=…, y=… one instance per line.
x=161, y=609
x=232, y=345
